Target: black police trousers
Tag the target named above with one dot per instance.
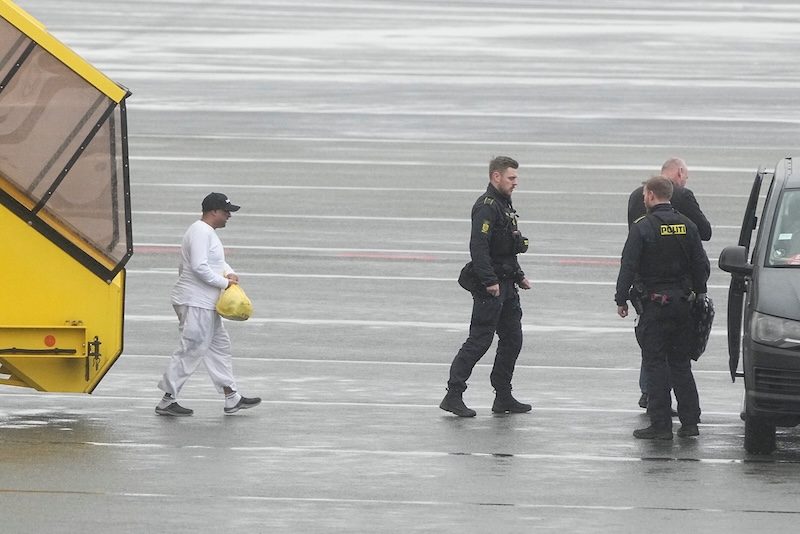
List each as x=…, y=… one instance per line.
x=662, y=333
x=503, y=315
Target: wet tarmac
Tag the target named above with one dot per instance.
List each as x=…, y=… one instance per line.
x=356, y=136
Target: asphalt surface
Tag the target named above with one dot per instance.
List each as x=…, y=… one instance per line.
x=356, y=136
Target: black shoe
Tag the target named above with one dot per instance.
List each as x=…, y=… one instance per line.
x=653, y=432
x=687, y=431
x=175, y=410
x=453, y=403
x=243, y=404
x=508, y=404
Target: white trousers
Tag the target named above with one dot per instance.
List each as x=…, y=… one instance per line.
x=203, y=340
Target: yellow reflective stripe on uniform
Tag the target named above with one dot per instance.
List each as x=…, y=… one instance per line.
x=673, y=229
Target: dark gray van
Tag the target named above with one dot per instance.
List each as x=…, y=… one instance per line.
x=764, y=307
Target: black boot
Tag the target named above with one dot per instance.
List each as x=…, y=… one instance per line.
x=453, y=403
x=653, y=432
x=504, y=402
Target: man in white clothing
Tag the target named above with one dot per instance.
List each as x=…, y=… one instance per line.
x=202, y=275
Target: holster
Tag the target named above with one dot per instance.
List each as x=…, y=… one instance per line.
x=635, y=295
x=468, y=279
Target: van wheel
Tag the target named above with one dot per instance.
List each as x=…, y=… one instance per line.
x=759, y=435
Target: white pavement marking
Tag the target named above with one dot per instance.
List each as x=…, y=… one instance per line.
x=253, y=107
x=373, y=323
x=174, y=272
x=349, y=404
x=428, y=454
x=437, y=504
x=405, y=324
x=319, y=249
x=411, y=163
x=433, y=141
x=399, y=219
x=367, y=251
x=198, y=185
x=426, y=364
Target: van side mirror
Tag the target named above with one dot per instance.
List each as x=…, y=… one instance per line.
x=733, y=259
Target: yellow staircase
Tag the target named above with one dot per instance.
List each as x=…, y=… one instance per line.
x=65, y=216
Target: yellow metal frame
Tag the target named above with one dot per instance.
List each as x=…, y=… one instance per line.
x=61, y=323
x=37, y=341
x=56, y=224
x=34, y=29
x=47, y=292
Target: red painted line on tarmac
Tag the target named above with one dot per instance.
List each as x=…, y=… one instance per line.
x=383, y=256
x=580, y=261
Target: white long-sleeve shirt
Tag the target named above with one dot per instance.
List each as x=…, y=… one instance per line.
x=201, y=274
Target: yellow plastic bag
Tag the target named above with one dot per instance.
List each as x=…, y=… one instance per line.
x=233, y=304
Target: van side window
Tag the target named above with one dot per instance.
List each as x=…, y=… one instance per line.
x=785, y=249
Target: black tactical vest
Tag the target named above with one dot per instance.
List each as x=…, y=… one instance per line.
x=664, y=262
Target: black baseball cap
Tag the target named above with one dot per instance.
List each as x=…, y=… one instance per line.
x=218, y=201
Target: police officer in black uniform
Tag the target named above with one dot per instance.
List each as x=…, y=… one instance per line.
x=492, y=276
x=684, y=201
x=664, y=254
